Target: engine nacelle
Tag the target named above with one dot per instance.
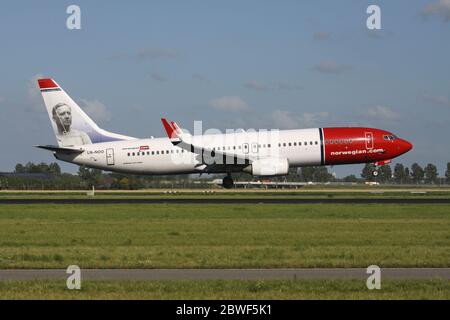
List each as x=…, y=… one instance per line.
x=268, y=167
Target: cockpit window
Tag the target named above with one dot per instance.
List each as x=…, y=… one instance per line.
x=389, y=137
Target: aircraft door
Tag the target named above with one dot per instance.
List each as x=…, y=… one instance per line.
x=110, y=157
x=369, y=140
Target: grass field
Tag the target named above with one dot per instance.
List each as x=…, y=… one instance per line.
x=286, y=289
x=305, y=192
x=218, y=236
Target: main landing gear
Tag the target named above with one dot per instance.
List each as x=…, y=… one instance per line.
x=228, y=182
x=375, y=173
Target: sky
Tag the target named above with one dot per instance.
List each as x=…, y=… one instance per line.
x=232, y=64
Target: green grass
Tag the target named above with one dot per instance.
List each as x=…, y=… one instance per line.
x=224, y=236
x=322, y=191
x=233, y=195
x=281, y=289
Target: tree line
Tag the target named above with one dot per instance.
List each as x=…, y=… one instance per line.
x=404, y=175
x=43, y=176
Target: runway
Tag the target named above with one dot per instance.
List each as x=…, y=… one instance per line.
x=231, y=201
x=226, y=274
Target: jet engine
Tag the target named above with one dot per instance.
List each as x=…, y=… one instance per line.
x=268, y=167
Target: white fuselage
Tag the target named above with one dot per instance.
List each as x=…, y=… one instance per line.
x=159, y=156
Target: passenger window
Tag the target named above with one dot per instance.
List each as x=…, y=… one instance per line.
x=316, y=142
x=153, y=153
x=311, y=143
x=290, y=145
x=295, y=144
x=268, y=146
x=284, y=144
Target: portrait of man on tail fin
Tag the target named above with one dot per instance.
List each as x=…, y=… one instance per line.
x=67, y=136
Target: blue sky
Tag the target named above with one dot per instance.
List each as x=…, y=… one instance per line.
x=232, y=64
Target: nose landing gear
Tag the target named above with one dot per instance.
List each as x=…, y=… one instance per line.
x=228, y=182
x=377, y=165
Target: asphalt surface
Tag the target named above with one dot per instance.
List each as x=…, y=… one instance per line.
x=230, y=201
x=226, y=274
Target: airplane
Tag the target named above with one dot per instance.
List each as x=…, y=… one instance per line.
x=263, y=153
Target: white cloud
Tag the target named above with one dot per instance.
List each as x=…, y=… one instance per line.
x=157, y=53
x=152, y=53
x=331, y=66
x=158, y=77
x=280, y=85
x=382, y=113
x=229, y=103
x=437, y=99
x=255, y=85
x=437, y=8
x=286, y=120
x=320, y=35
x=200, y=77
x=34, y=94
x=95, y=109
x=286, y=86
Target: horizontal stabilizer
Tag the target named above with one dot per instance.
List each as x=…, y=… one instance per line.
x=61, y=149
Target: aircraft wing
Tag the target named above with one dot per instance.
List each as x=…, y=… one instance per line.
x=184, y=141
x=65, y=150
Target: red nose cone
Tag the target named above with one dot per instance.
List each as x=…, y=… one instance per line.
x=405, y=146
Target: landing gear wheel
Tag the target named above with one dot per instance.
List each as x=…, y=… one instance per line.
x=375, y=173
x=228, y=182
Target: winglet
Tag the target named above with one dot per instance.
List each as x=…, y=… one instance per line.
x=171, y=132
